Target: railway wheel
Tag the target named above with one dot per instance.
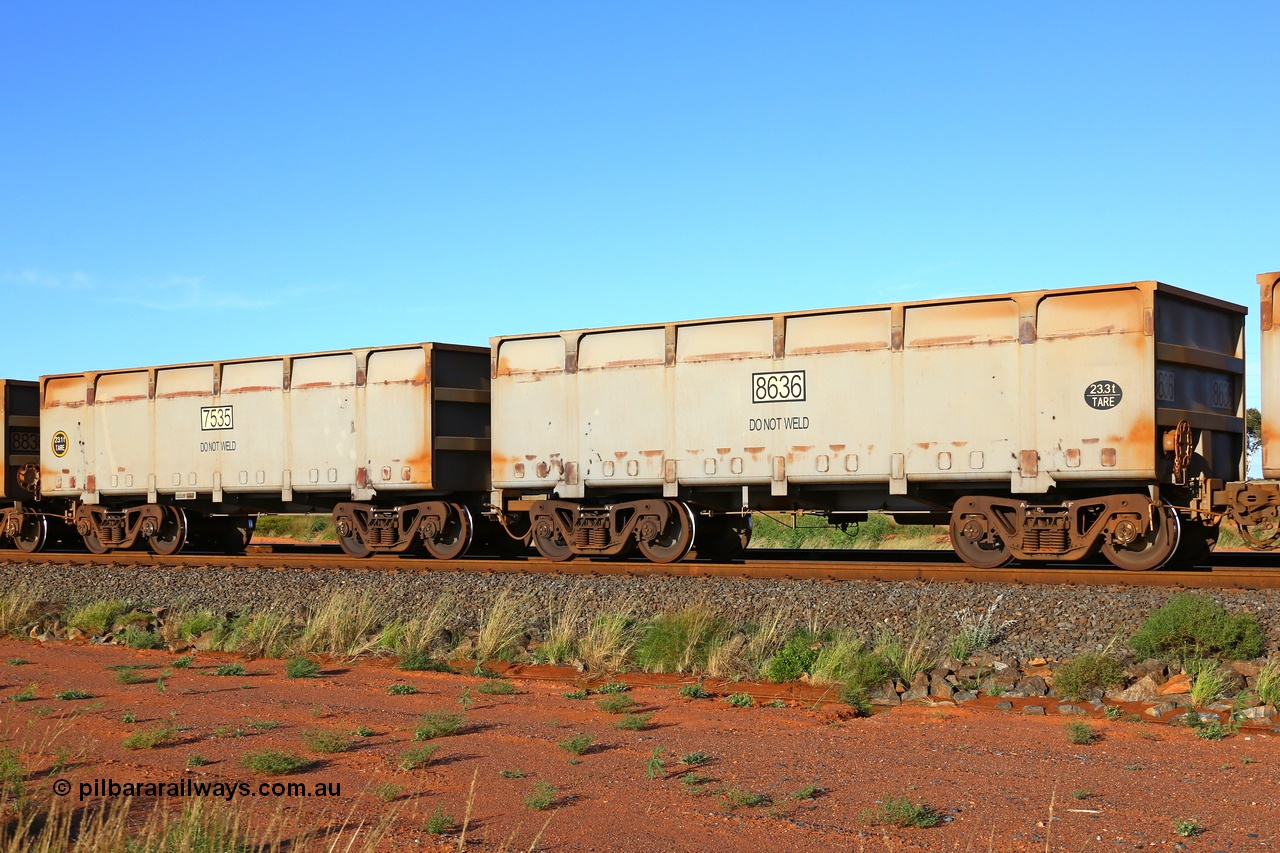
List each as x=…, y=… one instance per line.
x=454, y=540
x=977, y=542
x=33, y=534
x=549, y=542
x=93, y=544
x=172, y=535
x=1133, y=549
x=674, y=542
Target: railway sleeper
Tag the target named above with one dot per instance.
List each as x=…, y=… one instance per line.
x=1131, y=530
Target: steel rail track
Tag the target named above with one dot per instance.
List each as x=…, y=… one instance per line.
x=1231, y=570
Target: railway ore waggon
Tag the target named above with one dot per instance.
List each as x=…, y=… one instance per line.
x=394, y=441
x=1044, y=425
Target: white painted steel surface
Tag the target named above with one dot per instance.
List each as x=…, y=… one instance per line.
x=1022, y=391
x=351, y=423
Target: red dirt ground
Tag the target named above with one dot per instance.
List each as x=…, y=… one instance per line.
x=995, y=777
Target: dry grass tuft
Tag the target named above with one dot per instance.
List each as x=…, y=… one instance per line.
x=17, y=607
x=608, y=639
x=344, y=624
x=418, y=636
x=743, y=655
x=266, y=634
x=565, y=617
x=501, y=626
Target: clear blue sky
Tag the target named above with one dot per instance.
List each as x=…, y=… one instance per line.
x=186, y=181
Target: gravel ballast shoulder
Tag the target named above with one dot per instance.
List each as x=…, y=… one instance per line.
x=1050, y=621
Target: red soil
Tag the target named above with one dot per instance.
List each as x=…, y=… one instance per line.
x=997, y=778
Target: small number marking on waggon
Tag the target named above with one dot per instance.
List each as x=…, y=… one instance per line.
x=780, y=387
x=216, y=417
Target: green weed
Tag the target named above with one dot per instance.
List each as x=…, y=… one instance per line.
x=417, y=756
x=578, y=745
x=542, y=798
x=633, y=722
x=1191, y=626
x=274, y=762
x=901, y=812
x=434, y=724
x=326, y=742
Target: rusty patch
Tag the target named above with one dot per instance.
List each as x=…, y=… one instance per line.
x=1143, y=434
x=651, y=453
x=1090, y=440
x=959, y=340
x=722, y=356
x=836, y=447
x=801, y=448
x=620, y=455
x=1108, y=457
x=724, y=451
x=246, y=389
x=169, y=395
x=623, y=363
x=861, y=346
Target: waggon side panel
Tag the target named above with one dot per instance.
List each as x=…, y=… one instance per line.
x=962, y=390
x=625, y=428
x=1269, y=286
x=715, y=364
x=66, y=435
x=397, y=427
x=534, y=410
x=123, y=434
x=180, y=462
x=254, y=391
x=322, y=411
x=849, y=374
x=1094, y=359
